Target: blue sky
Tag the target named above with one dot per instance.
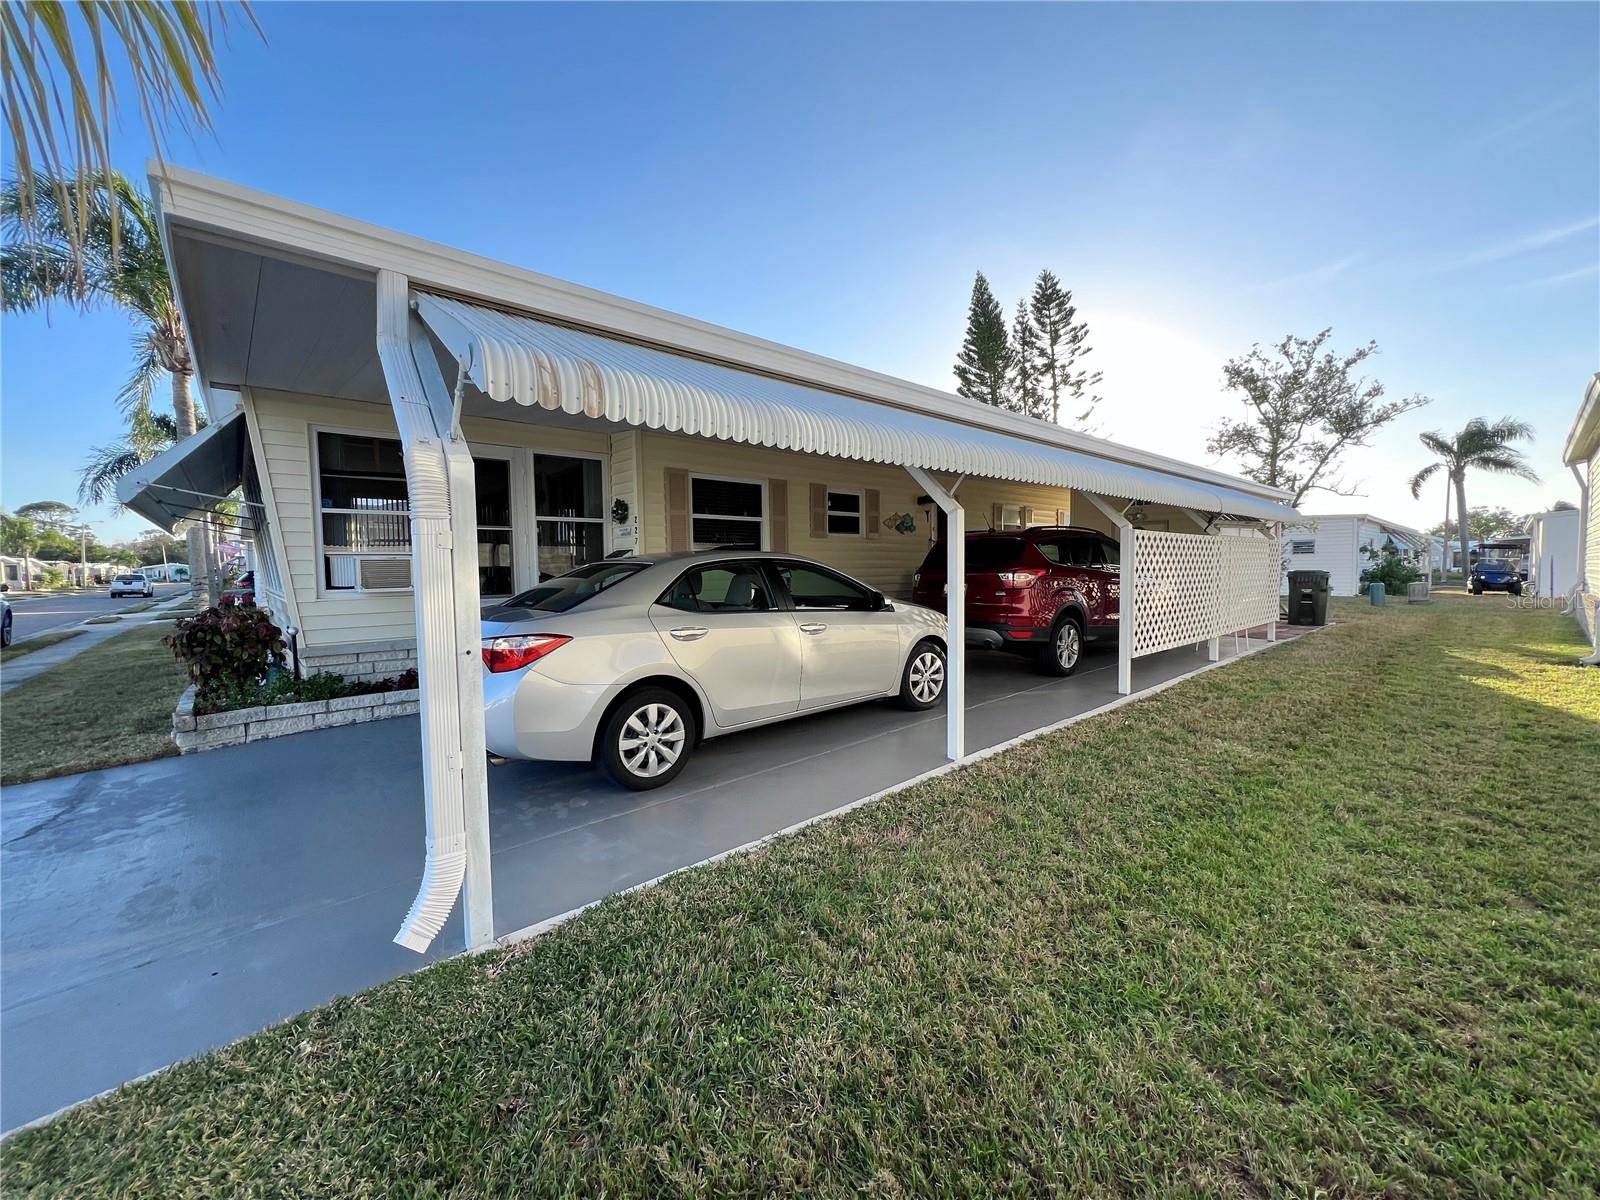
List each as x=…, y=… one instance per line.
x=1203, y=177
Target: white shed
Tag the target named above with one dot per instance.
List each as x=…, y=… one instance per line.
x=1553, y=552
x=1335, y=544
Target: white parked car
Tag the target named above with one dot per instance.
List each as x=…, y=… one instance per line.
x=5, y=616
x=132, y=583
x=634, y=661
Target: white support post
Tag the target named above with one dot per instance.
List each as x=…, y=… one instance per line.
x=1125, y=592
x=955, y=575
x=440, y=553
x=1274, y=533
x=444, y=403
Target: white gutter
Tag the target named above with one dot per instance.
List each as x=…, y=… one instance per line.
x=428, y=484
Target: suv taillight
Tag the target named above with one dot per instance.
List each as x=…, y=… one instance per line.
x=513, y=653
x=1019, y=579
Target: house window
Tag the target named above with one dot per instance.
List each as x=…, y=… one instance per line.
x=726, y=513
x=844, y=513
x=569, y=516
x=492, y=477
x=1303, y=547
x=1011, y=516
x=365, y=513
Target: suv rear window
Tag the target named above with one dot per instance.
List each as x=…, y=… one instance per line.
x=983, y=554
x=566, y=592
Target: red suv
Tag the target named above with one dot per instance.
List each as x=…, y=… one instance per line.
x=1039, y=592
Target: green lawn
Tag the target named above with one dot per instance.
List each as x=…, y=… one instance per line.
x=37, y=642
x=110, y=704
x=1324, y=922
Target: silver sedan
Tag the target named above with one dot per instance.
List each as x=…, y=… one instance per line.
x=634, y=661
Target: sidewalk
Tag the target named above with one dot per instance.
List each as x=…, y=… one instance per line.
x=26, y=666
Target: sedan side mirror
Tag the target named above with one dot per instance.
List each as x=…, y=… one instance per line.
x=5, y=587
x=879, y=602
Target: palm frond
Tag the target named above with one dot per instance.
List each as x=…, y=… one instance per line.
x=103, y=468
x=1422, y=477
x=148, y=370
x=1505, y=462
x=60, y=99
x=1438, y=443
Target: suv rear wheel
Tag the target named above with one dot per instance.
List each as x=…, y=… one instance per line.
x=1064, y=650
x=648, y=739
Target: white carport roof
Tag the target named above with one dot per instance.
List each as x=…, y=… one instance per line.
x=539, y=364
x=191, y=477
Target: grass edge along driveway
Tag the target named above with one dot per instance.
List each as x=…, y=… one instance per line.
x=110, y=705
x=1259, y=934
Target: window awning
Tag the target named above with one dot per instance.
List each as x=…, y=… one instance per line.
x=535, y=363
x=190, y=478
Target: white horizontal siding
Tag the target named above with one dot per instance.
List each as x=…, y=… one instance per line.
x=1336, y=552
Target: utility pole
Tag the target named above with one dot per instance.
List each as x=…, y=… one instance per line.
x=83, y=555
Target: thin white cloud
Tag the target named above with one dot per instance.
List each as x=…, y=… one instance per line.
x=1317, y=275
x=1527, y=243
x=1522, y=129
x=1588, y=272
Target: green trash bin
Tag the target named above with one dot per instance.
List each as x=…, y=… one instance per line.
x=1308, y=597
x=1377, y=593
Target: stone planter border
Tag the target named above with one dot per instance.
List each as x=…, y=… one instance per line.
x=207, y=731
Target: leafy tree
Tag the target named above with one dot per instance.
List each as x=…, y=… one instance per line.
x=19, y=537
x=1063, y=342
x=1479, y=446
x=1483, y=523
x=38, y=265
x=149, y=433
x=1026, y=395
x=61, y=96
x=1306, y=408
x=50, y=515
x=983, y=368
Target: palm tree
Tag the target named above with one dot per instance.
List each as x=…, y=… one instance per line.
x=1479, y=446
x=37, y=266
x=61, y=94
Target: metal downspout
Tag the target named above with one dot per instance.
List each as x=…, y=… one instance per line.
x=428, y=484
x=1585, y=515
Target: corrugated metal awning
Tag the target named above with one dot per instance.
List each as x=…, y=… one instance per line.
x=190, y=478
x=531, y=362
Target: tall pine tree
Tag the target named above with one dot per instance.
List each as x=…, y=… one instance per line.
x=1026, y=395
x=983, y=367
x=1063, y=343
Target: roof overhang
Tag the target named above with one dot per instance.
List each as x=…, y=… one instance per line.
x=192, y=477
x=1583, y=443
x=280, y=295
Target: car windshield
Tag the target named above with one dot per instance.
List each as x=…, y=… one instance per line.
x=129, y=579
x=1494, y=564
x=983, y=554
x=567, y=591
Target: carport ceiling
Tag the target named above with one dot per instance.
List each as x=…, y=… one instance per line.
x=261, y=320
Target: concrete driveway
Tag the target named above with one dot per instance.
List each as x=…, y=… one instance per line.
x=154, y=911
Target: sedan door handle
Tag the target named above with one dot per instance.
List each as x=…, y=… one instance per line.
x=813, y=627
x=689, y=633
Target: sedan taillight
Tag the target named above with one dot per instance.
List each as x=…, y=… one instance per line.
x=1019, y=579
x=513, y=653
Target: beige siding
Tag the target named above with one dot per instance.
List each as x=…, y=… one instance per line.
x=886, y=560
x=287, y=421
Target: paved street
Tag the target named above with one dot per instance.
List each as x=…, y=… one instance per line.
x=35, y=614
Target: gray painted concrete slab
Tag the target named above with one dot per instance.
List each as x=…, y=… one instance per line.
x=155, y=911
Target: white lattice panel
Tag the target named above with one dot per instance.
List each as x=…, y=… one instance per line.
x=1250, y=570
x=1177, y=598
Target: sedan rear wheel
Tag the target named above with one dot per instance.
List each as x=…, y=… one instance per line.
x=922, y=681
x=648, y=739
x=5, y=631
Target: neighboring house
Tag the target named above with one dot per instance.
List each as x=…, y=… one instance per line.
x=417, y=429
x=1335, y=544
x=1582, y=455
x=19, y=571
x=1552, y=552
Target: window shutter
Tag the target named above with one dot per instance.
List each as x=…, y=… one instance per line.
x=870, y=521
x=677, y=509
x=1027, y=517
x=997, y=515
x=819, y=510
x=778, y=514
